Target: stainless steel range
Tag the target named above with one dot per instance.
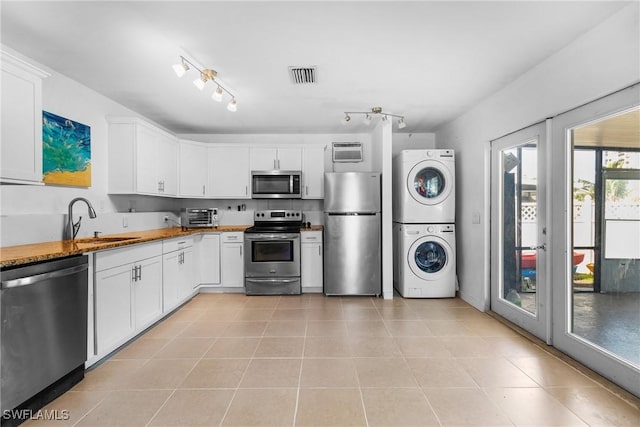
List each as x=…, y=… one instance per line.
x=272, y=248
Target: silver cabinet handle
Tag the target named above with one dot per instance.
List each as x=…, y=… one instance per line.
x=319, y=251
x=241, y=251
x=203, y=190
x=134, y=273
x=246, y=190
x=306, y=190
x=140, y=271
x=30, y=280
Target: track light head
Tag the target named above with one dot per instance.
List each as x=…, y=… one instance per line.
x=199, y=83
x=401, y=124
x=180, y=68
x=217, y=94
x=345, y=119
x=367, y=119
x=232, y=105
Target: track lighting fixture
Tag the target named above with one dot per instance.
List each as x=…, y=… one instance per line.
x=205, y=76
x=375, y=111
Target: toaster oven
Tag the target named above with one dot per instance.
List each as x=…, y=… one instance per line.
x=198, y=217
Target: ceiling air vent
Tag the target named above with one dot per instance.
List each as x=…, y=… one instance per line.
x=302, y=75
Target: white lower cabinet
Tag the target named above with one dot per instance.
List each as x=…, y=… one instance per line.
x=178, y=272
x=113, y=323
x=311, y=261
x=208, y=259
x=232, y=257
x=147, y=293
x=128, y=293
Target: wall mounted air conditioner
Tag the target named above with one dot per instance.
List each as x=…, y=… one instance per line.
x=347, y=152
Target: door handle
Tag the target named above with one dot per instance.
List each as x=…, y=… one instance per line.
x=30, y=280
x=542, y=246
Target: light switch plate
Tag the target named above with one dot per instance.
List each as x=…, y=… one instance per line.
x=125, y=221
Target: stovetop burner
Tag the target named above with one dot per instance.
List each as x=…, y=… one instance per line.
x=276, y=221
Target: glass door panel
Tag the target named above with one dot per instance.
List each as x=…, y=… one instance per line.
x=596, y=235
x=518, y=227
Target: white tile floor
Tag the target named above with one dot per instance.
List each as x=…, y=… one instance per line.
x=311, y=360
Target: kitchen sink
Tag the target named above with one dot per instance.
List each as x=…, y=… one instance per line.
x=105, y=239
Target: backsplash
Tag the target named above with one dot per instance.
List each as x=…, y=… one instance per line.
x=37, y=228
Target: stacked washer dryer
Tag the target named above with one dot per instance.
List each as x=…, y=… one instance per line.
x=424, y=223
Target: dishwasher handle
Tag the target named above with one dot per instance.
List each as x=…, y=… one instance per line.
x=30, y=280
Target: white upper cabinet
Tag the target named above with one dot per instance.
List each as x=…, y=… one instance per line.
x=143, y=159
x=313, y=173
x=276, y=158
x=193, y=169
x=228, y=172
x=21, y=130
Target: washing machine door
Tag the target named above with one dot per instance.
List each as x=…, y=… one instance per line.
x=430, y=257
x=430, y=182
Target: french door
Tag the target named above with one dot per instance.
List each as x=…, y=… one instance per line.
x=519, y=229
x=595, y=166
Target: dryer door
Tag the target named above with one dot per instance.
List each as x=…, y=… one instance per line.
x=430, y=257
x=430, y=182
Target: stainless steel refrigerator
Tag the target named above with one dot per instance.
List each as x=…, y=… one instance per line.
x=352, y=251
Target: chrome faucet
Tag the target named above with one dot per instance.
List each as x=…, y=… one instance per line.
x=73, y=228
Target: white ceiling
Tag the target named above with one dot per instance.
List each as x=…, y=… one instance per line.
x=430, y=61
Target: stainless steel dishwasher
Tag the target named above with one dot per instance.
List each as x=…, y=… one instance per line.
x=43, y=309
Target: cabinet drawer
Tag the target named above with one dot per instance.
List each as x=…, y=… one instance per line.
x=311, y=237
x=232, y=237
x=176, y=244
x=126, y=255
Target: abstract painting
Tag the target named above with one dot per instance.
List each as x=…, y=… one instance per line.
x=66, y=151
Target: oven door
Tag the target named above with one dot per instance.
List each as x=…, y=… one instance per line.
x=272, y=254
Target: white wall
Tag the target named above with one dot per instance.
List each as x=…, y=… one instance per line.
x=413, y=141
x=599, y=62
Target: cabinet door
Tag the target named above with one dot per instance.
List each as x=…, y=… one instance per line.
x=263, y=159
x=232, y=265
x=187, y=273
x=313, y=173
x=289, y=159
x=192, y=170
x=209, y=260
x=21, y=130
x=114, y=323
x=147, y=292
x=146, y=162
x=171, y=280
x=229, y=172
x=168, y=165
x=311, y=266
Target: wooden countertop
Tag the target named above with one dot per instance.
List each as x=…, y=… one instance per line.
x=24, y=254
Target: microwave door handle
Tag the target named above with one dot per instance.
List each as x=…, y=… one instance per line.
x=291, y=184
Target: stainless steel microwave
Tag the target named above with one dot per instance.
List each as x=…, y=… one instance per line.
x=276, y=184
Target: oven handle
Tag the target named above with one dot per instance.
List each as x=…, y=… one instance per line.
x=278, y=280
x=271, y=236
